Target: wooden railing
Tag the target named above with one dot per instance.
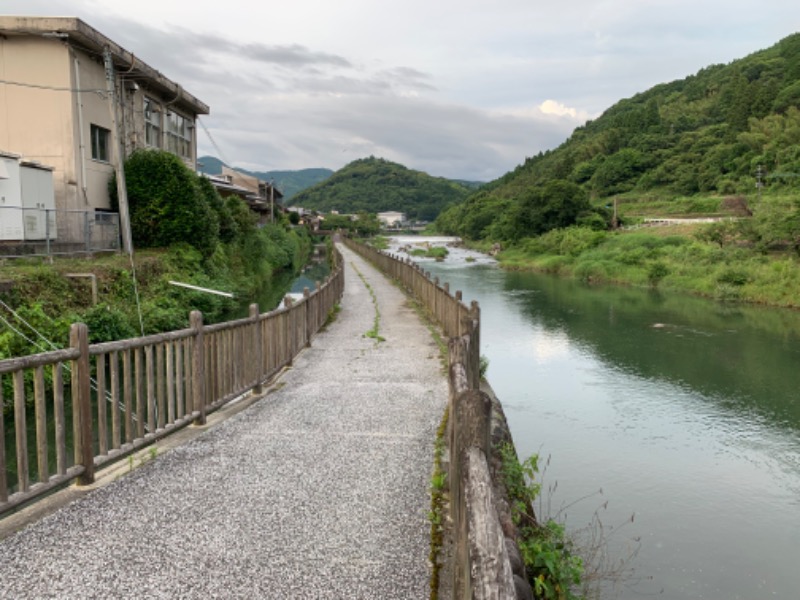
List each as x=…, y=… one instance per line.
x=109, y=400
x=481, y=566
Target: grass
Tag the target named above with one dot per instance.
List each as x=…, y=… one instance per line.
x=563, y=565
x=438, y=510
x=672, y=259
x=373, y=333
x=437, y=252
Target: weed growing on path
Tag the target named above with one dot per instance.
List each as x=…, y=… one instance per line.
x=438, y=505
x=374, y=332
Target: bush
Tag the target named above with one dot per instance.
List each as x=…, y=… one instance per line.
x=107, y=324
x=166, y=203
x=656, y=272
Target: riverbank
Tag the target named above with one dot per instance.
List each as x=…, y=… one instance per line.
x=117, y=299
x=675, y=258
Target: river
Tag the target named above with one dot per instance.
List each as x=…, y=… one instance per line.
x=670, y=422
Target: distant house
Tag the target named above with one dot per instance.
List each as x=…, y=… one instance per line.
x=391, y=218
x=259, y=195
x=55, y=108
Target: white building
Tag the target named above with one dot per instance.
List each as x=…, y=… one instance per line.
x=391, y=218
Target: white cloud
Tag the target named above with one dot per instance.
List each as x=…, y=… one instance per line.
x=553, y=107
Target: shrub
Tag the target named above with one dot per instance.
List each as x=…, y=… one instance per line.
x=656, y=272
x=166, y=203
x=107, y=324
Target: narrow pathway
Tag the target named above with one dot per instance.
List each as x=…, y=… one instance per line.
x=320, y=490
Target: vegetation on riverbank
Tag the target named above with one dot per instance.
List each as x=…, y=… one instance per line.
x=725, y=260
x=553, y=565
x=228, y=252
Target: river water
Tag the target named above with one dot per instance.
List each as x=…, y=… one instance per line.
x=670, y=422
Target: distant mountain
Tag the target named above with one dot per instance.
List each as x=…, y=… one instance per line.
x=711, y=133
x=376, y=185
x=288, y=182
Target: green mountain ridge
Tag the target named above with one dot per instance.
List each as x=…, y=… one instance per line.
x=713, y=133
x=375, y=185
x=288, y=182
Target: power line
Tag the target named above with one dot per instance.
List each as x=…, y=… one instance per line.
x=53, y=88
x=213, y=142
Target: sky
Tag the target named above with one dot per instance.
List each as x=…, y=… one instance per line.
x=463, y=89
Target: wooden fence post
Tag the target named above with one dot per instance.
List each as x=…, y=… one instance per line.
x=309, y=326
x=258, y=350
x=198, y=372
x=475, y=344
x=79, y=339
x=471, y=417
x=291, y=335
x=318, y=313
x=3, y=484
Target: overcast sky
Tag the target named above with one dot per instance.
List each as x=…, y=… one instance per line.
x=457, y=88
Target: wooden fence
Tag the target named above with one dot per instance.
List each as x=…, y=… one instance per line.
x=114, y=398
x=481, y=564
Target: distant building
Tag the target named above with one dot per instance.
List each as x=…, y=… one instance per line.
x=259, y=195
x=392, y=218
x=55, y=108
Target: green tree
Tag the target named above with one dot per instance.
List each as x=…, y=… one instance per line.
x=555, y=205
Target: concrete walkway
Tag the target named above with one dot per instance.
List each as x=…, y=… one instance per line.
x=319, y=490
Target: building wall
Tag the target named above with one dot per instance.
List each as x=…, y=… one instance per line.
x=244, y=180
x=49, y=121
x=37, y=122
x=91, y=108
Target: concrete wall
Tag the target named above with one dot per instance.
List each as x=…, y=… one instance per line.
x=37, y=122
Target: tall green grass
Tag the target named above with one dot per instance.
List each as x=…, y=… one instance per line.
x=677, y=263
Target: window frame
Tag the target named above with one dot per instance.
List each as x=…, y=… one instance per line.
x=179, y=138
x=100, y=143
x=153, y=125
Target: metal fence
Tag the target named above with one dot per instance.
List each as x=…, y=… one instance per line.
x=48, y=232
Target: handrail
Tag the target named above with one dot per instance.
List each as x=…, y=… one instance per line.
x=111, y=399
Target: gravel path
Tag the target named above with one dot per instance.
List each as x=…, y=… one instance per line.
x=320, y=490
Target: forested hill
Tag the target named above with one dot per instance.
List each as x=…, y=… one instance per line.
x=705, y=134
x=375, y=185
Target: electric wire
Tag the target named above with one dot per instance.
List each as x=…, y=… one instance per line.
x=53, y=88
x=36, y=345
x=213, y=141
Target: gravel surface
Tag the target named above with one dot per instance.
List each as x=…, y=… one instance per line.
x=319, y=490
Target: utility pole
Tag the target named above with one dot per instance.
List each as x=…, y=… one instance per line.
x=272, y=201
x=122, y=190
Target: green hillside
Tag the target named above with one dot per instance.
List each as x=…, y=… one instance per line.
x=708, y=135
x=288, y=182
x=375, y=185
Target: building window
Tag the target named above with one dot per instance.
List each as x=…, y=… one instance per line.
x=152, y=124
x=101, y=143
x=179, y=135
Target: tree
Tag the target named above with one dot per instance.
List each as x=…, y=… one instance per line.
x=556, y=204
x=778, y=222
